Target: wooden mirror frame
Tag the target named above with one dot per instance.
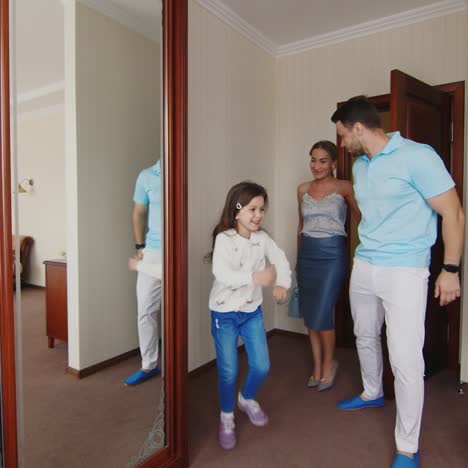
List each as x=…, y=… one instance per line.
x=175, y=452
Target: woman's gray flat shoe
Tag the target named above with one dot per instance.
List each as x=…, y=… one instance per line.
x=312, y=382
x=327, y=385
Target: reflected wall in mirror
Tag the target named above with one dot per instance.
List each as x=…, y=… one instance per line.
x=87, y=130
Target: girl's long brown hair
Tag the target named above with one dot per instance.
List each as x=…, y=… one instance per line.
x=241, y=194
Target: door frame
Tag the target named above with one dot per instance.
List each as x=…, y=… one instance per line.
x=175, y=452
x=456, y=90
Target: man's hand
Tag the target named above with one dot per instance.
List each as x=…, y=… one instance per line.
x=139, y=254
x=447, y=287
x=280, y=294
x=133, y=262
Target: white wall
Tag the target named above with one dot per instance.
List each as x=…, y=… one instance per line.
x=112, y=94
x=41, y=157
x=231, y=138
x=308, y=86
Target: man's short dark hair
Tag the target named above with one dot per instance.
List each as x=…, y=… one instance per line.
x=357, y=109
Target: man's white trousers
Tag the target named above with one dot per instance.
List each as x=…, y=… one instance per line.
x=397, y=295
x=149, y=308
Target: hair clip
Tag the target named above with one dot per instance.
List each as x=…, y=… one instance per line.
x=239, y=206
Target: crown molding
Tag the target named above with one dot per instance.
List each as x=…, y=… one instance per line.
x=415, y=15
x=37, y=99
x=39, y=113
x=110, y=9
x=52, y=88
x=405, y=18
x=231, y=18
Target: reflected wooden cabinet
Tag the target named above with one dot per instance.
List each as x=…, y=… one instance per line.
x=56, y=301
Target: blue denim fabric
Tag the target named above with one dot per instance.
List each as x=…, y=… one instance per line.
x=226, y=327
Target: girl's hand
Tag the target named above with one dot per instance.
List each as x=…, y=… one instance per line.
x=280, y=294
x=265, y=277
x=132, y=263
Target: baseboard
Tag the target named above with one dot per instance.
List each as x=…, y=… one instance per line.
x=202, y=369
x=31, y=286
x=80, y=374
x=462, y=387
x=210, y=364
x=291, y=334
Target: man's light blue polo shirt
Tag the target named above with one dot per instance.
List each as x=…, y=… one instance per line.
x=398, y=226
x=148, y=191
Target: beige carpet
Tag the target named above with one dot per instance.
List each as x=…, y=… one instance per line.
x=99, y=423
x=95, y=422
x=307, y=430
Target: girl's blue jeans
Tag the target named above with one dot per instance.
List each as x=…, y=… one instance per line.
x=226, y=327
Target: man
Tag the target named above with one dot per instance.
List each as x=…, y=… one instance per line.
x=147, y=218
x=400, y=187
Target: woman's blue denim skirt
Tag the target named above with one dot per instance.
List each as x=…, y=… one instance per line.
x=322, y=268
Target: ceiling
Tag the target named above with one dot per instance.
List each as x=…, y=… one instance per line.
x=284, y=27
x=38, y=44
x=39, y=38
x=279, y=26
x=283, y=22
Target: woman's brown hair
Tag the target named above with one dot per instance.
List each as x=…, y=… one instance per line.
x=327, y=146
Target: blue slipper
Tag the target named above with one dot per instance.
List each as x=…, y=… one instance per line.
x=140, y=376
x=402, y=461
x=357, y=402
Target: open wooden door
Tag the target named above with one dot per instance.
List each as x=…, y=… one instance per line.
x=422, y=113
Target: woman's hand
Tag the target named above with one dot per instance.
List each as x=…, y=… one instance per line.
x=133, y=262
x=265, y=277
x=280, y=294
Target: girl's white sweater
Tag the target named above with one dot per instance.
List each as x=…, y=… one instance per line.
x=235, y=258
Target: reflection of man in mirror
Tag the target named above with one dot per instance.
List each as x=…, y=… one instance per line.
x=147, y=217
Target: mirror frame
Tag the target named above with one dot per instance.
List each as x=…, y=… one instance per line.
x=175, y=452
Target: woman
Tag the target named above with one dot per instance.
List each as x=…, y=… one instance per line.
x=322, y=258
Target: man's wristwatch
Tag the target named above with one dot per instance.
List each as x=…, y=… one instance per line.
x=450, y=268
x=140, y=246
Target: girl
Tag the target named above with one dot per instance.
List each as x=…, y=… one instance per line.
x=240, y=251
x=322, y=258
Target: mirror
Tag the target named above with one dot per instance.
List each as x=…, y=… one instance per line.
x=96, y=129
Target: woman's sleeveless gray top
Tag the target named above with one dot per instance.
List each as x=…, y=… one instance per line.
x=325, y=217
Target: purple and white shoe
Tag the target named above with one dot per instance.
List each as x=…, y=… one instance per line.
x=252, y=409
x=227, y=433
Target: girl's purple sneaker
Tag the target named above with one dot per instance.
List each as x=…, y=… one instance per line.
x=252, y=409
x=227, y=433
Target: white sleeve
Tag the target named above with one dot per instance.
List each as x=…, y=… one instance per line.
x=278, y=258
x=221, y=265
x=151, y=269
